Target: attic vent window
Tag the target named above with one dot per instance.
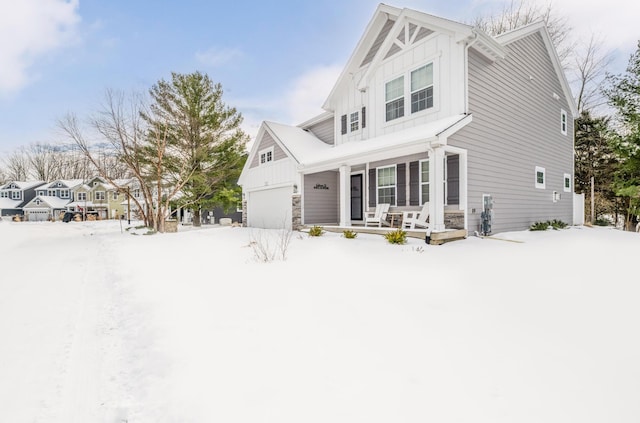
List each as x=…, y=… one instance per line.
x=266, y=156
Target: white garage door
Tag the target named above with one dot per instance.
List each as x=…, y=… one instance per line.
x=38, y=215
x=269, y=208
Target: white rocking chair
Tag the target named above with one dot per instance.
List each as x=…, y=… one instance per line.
x=377, y=217
x=416, y=219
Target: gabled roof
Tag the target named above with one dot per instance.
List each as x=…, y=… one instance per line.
x=541, y=27
x=69, y=183
x=50, y=201
x=381, y=34
x=23, y=184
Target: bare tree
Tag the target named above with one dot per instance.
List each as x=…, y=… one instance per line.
x=45, y=162
x=518, y=13
x=17, y=165
x=589, y=72
x=120, y=125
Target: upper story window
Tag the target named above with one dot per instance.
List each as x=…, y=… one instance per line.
x=540, y=182
x=64, y=193
x=99, y=195
x=354, y=121
x=266, y=155
x=115, y=195
x=563, y=122
x=386, y=178
x=394, y=99
x=422, y=88
x=4, y=194
x=82, y=196
x=16, y=195
x=419, y=85
x=51, y=193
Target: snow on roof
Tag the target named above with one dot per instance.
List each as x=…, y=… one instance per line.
x=24, y=184
x=7, y=203
x=301, y=144
x=52, y=202
x=309, y=150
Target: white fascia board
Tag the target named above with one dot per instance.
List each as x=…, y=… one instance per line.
x=379, y=18
x=317, y=119
x=252, y=154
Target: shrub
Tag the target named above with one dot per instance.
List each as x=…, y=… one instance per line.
x=539, y=226
x=558, y=224
x=543, y=226
x=316, y=231
x=349, y=234
x=396, y=237
x=602, y=221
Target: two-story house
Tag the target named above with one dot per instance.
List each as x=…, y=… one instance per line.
x=15, y=194
x=426, y=110
x=51, y=200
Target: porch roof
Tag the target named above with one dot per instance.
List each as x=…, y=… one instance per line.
x=6, y=203
x=408, y=141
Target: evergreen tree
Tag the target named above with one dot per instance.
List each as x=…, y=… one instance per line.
x=623, y=92
x=595, y=158
x=205, y=141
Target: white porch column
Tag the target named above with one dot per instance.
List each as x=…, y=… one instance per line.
x=436, y=189
x=344, y=195
x=463, y=172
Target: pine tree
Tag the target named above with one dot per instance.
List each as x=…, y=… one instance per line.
x=206, y=143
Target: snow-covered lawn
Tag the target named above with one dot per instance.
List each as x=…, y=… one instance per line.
x=99, y=325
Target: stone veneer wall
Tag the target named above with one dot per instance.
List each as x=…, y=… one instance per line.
x=454, y=220
x=296, y=212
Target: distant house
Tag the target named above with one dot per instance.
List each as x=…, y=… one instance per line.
x=15, y=194
x=426, y=110
x=51, y=200
x=100, y=198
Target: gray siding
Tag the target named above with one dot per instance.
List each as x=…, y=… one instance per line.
x=324, y=131
x=266, y=142
x=321, y=203
x=516, y=127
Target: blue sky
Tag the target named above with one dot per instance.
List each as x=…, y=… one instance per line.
x=275, y=60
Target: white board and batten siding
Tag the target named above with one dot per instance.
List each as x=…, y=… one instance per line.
x=516, y=105
x=269, y=187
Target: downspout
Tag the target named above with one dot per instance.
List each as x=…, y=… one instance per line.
x=468, y=44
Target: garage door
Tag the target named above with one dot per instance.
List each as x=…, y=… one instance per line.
x=269, y=208
x=38, y=215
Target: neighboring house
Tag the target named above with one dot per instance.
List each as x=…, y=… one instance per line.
x=426, y=110
x=100, y=198
x=51, y=200
x=15, y=194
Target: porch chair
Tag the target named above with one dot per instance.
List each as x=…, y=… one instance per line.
x=377, y=217
x=413, y=219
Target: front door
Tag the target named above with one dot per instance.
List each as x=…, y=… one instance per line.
x=356, y=196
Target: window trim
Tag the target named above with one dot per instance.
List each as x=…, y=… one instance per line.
x=433, y=61
x=540, y=185
x=102, y=194
x=402, y=96
x=268, y=156
x=432, y=86
x=564, y=122
x=565, y=188
x=395, y=184
x=353, y=121
x=82, y=194
x=16, y=195
x=420, y=181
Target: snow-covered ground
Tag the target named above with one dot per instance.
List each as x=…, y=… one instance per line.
x=99, y=325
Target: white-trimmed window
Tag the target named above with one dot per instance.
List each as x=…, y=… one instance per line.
x=99, y=195
x=354, y=121
x=4, y=194
x=422, y=88
x=540, y=177
x=424, y=181
x=394, y=99
x=386, y=184
x=567, y=183
x=16, y=195
x=82, y=196
x=51, y=193
x=115, y=195
x=563, y=122
x=64, y=193
x=266, y=155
